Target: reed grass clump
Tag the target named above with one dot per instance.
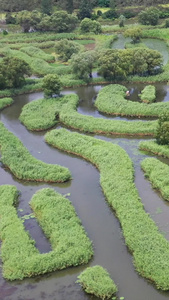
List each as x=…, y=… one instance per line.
x=148, y=94
x=4, y=102
x=149, y=247
x=153, y=147
x=23, y=165
x=43, y=114
x=96, y=280
x=157, y=172
x=58, y=219
x=111, y=100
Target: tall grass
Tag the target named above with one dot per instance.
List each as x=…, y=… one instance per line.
x=23, y=165
x=149, y=247
x=96, y=280
x=153, y=147
x=111, y=100
x=157, y=172
x=4, y=102
x=36, y=52
x=58, y=219
x=148, y=94
x=41, y=114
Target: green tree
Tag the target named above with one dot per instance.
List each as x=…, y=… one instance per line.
x=85, y=10
x=109, y=64
x=162, y=133
x=66, y=48
x=46, y=6
x=28, y=19
x=82, y=64
x=51, y=85
x=150, y=16
x=12, y=72
x=87, y=25
x=69, y=6
x=121, y=20
x=134, y=33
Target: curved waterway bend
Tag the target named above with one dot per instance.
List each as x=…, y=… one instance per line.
x=154, y=44
x=99, y=221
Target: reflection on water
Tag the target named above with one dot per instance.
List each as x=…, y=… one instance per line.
x=86, y=195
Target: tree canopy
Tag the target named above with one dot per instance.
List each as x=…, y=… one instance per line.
x=51, y=85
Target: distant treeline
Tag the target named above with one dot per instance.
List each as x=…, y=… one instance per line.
x=18, y=5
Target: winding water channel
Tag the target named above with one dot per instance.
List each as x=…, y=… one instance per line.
x=87, y=197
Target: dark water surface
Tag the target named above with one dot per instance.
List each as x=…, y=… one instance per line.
x=86, y=195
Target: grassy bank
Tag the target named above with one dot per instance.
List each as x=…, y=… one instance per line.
x=23, y=165
x=154, y=148
x=157, y=172
x=111, y=100
x=149, y=247
x=70, y=245
x=4, y=102
x=43, y=114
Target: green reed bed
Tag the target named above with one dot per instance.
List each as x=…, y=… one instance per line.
x=39, y=66
x=34, y=86
x=153, y=147
x=149, y=247
x=148, y=94
x=136, y=45
x=157, y=172
x=36, y=52
x=42, y=114
x=4, y=102
x=41, y=37
x=40, y=45
x=111, y=100
x=23, y=165
x=58, y=219
x=96, y=280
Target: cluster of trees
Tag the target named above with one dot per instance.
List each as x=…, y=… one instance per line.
x=12, y=72
x=59, y=21
x=120, y=63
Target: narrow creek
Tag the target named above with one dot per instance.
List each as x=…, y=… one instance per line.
x=86, y=195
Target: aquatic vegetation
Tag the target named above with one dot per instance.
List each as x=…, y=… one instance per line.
x=111, y=100
x=58, y=219
x=96, y=280
x=149, y=247
x=148, y=94
x=4, y=102
x=157, y=172
x=23, y=165
x=153, y=147
x=64, y=109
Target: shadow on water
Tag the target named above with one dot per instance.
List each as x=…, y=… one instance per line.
x=98, y=219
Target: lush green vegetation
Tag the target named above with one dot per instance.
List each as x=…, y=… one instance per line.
x=111, y=100
x=43, y=114
x=4, y=102
x=149, y=247
x=148, y=94
x=153, y=147
x=23, y=165
x=36, y=52
x=162, y=134
x=58, y=219
x=157, y=172
x=96, y=280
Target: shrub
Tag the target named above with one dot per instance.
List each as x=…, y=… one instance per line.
x=51, y=85
x=149, y=16
x=162, y=134
x=66, y=48
x=88, y=25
